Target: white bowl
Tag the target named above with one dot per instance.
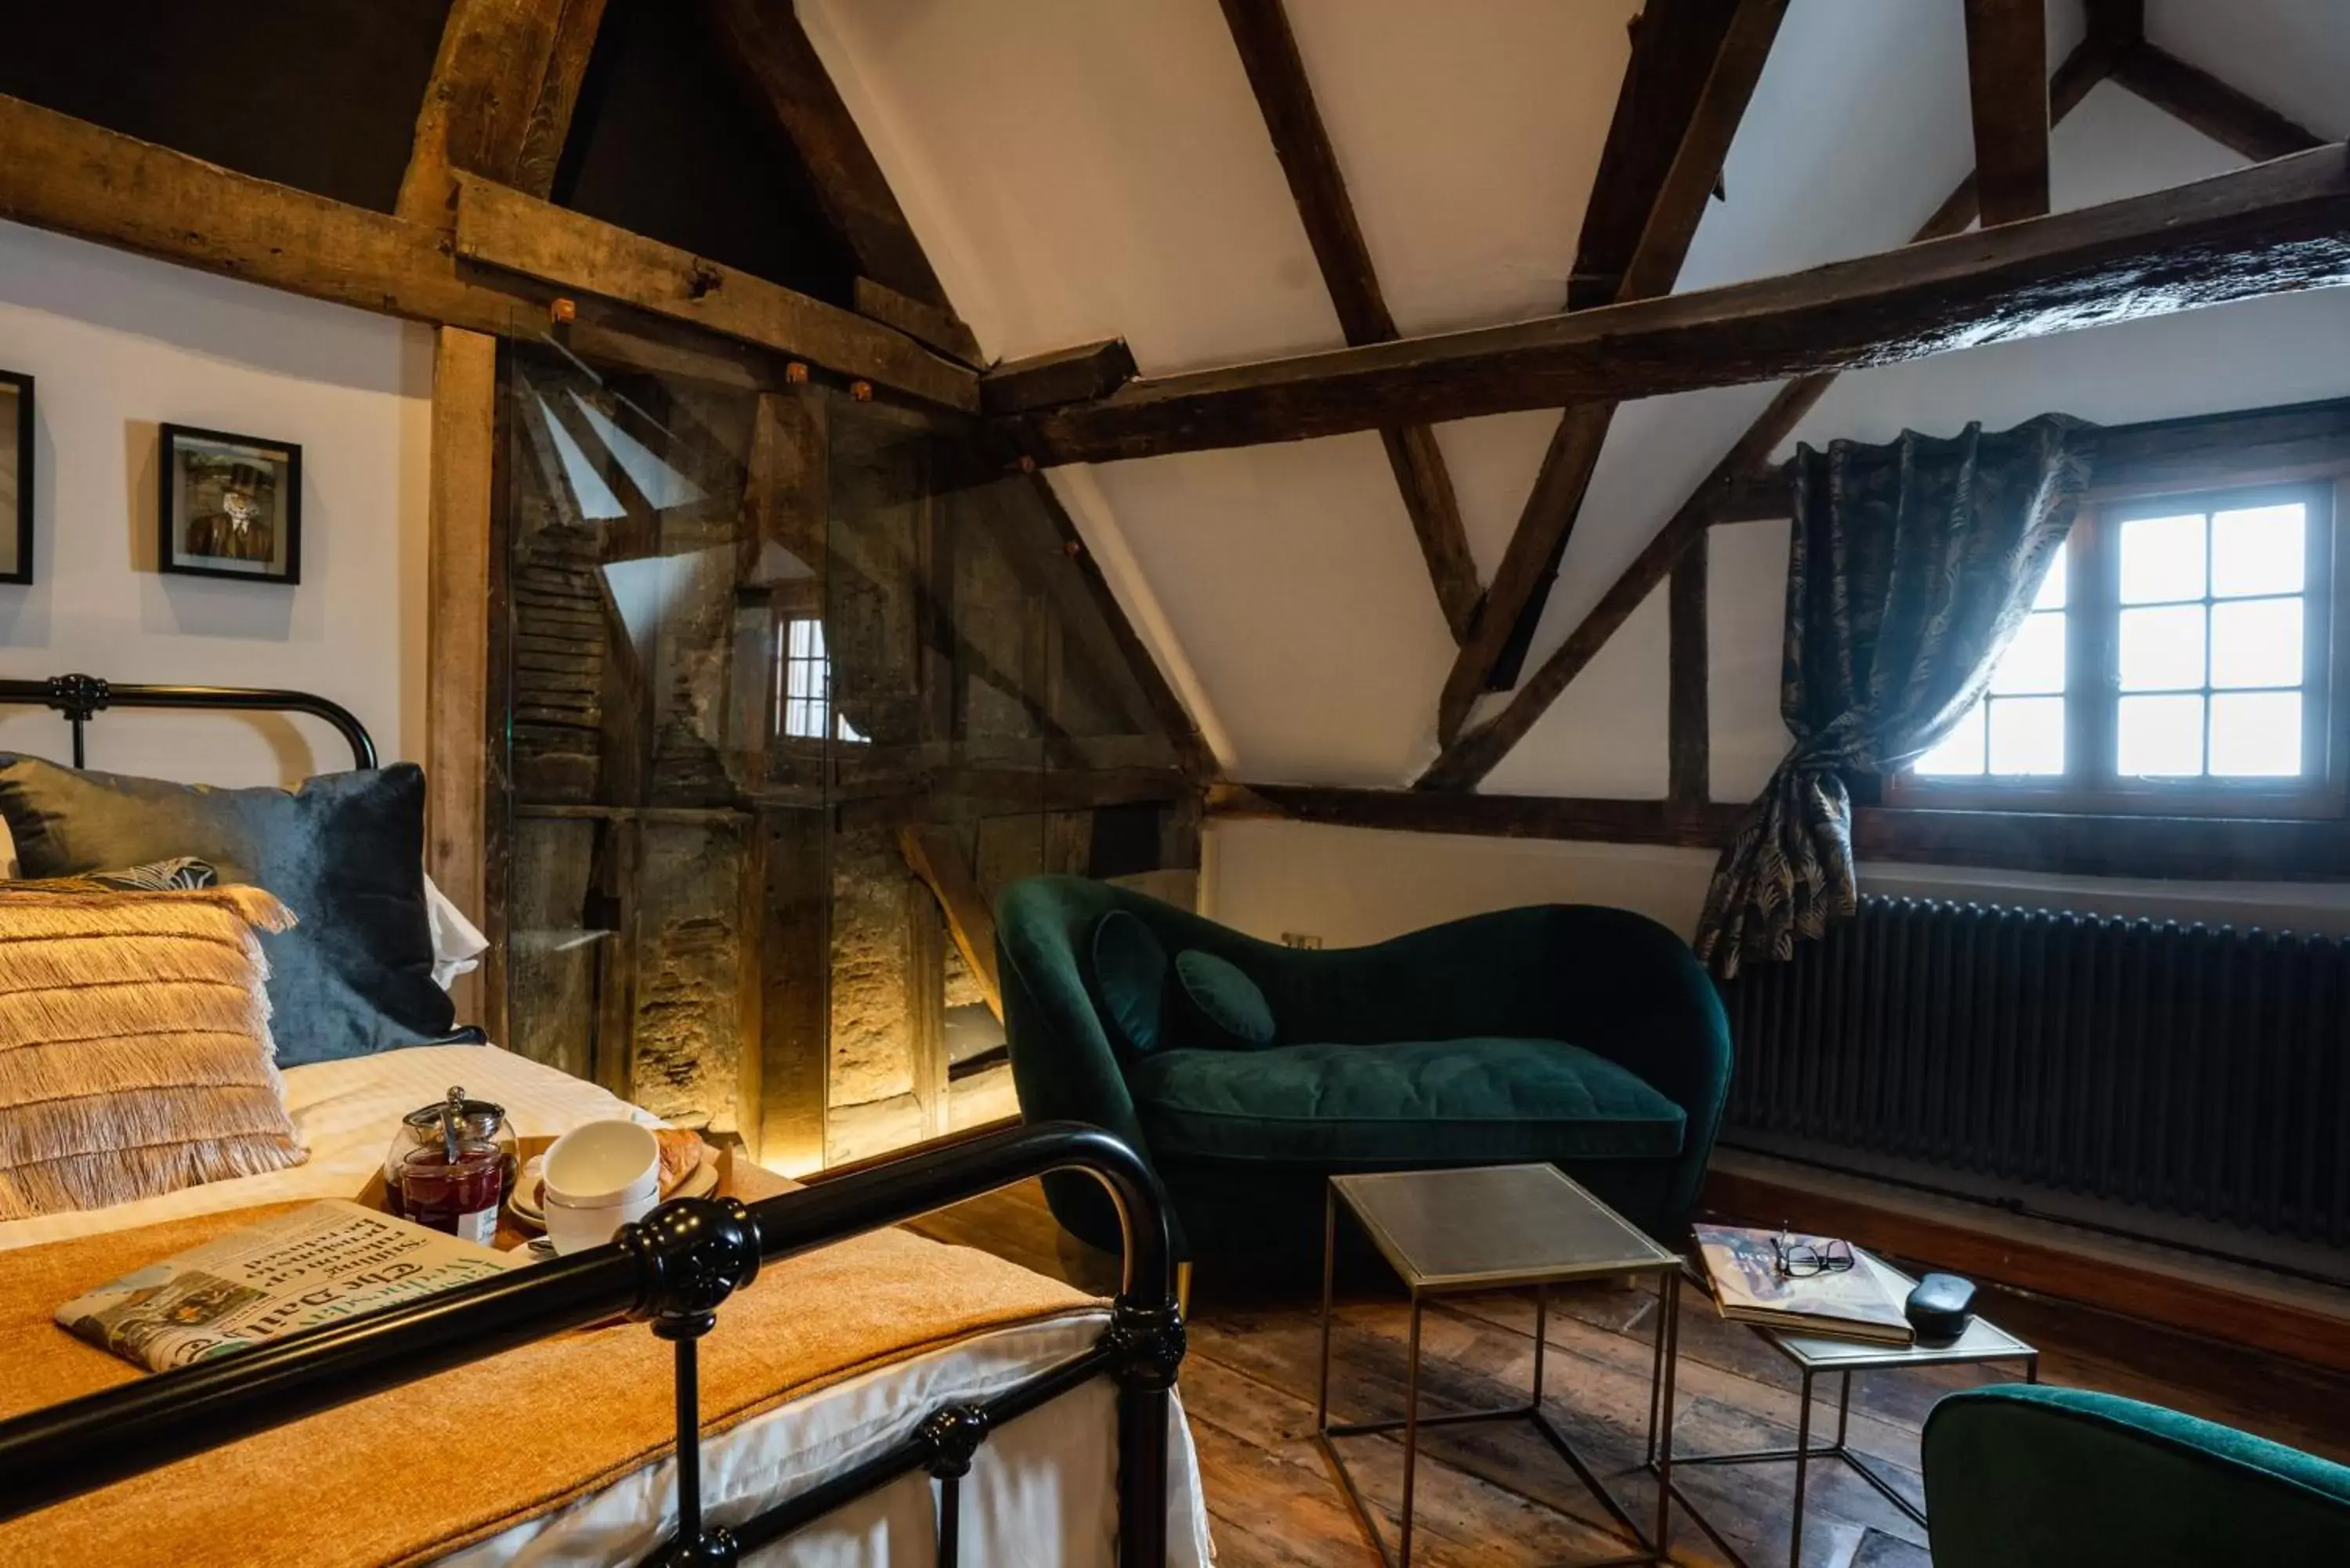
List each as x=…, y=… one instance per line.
x=575, y=1230
x=601, y=1165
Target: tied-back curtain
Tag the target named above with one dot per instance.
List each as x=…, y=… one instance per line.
x=1909, y=568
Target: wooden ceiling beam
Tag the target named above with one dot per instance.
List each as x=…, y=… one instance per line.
x=502, y=228
x=764, y=44
x=1065, y=375
x=1468, y=757
x=71, y=177
x=2007, y=77
x=499, y=100
x=1284, y=96
x=2275, y=228
x=1694, y=67
x=2234, y=120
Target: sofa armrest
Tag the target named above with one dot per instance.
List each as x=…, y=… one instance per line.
x=2063, y=1478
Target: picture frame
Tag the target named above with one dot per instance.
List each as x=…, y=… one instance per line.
x=228, y=506
x=15, y=477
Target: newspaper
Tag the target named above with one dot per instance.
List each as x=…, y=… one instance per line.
x=326, y=1260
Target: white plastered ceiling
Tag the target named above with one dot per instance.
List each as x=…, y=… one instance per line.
x=1079, y=169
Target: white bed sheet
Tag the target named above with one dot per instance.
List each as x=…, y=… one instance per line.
x=1042, y=1494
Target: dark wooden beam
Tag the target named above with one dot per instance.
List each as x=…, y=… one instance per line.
x=763, y=42
x=935, y=855
x=1085, y=371
x=933, y=325
x=1674, y=45
x=2007, y=78
x=2275, y=228
x=1480, y=815
x=502, y=228
x=499, y=100
x=1276, y=73
x=1468, y=757
x=1689, y=719
x=1476, y=752
x=2234, y=120
x=2290, y=440
x=2058, y=843
x=71, y=177
x=1705, y=57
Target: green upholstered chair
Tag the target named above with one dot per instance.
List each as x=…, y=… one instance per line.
x=2020, y=1476
x=1588, y=1037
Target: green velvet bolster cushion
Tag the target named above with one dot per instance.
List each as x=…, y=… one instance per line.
x=1130, y=974
x=1224, y=1010
x=1382, y=1106
x=2063, y=1478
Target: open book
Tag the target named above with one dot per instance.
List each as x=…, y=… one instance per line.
x=1850, y=1304
x=324, y=1261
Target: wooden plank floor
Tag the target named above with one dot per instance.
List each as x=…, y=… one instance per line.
x=1496, y=1496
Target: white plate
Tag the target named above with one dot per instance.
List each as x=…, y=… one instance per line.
x=699, y=1182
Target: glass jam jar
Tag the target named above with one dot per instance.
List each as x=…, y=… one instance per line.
x=453, y=1188
x=479, y=1121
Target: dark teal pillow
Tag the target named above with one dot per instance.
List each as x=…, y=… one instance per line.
x=1228, y=1010
x=1130, y=969
x=344, y=852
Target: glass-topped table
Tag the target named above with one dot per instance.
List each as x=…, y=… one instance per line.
x=1496, y=1228
x=1814, y=1355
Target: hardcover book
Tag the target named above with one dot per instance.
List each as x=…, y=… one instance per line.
x=1742, y=1267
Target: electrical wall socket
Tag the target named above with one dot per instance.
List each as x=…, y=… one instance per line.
x=1300, y=940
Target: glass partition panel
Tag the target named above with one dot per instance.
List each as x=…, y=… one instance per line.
x=793, y=685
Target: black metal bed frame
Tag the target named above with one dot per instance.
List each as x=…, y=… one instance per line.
x=672, y=1270
x=82, y=698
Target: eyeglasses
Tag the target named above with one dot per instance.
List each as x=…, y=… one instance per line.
x=1800, y=1256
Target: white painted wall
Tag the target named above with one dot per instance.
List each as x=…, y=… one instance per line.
x=1079, y=171
x=117, y=344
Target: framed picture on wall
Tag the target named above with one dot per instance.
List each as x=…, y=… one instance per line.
x=231, y=506
x=15, y=477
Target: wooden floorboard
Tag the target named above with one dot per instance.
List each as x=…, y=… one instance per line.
x=1495, y=1496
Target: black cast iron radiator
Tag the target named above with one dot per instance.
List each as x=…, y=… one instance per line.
x=2194, y=1071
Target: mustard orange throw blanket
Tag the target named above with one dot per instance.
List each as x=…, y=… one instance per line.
x=354, y=1487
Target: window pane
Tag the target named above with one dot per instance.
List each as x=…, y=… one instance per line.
x=1960, y=754
x=2034, y=660
x=2052, y=587
x=2256, y=642
x=2256, y=734
x=2027, y=735
x=2162, y=650
x=2257, y=551
x=2162, y=558
x=2159, y=737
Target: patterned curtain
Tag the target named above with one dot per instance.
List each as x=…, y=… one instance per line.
x=1910, y=566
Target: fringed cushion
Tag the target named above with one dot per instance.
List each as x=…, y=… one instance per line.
x=135, y=1056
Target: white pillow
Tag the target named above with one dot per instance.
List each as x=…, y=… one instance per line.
x=457, y=943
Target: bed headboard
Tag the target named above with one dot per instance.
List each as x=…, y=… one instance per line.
x=82, y=698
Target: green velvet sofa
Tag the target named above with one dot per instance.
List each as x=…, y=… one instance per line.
x=2022, y=1477
x=1588, y=1037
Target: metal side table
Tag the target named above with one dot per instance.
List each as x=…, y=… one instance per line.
x=1814, y=1355
x=1448, y=1231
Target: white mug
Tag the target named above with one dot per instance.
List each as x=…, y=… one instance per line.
x=595, y=1179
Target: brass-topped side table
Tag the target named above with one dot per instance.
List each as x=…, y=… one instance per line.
x=1496, y=1228
x=1815, y=1355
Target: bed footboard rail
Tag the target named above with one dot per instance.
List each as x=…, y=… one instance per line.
x=673, y=1271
